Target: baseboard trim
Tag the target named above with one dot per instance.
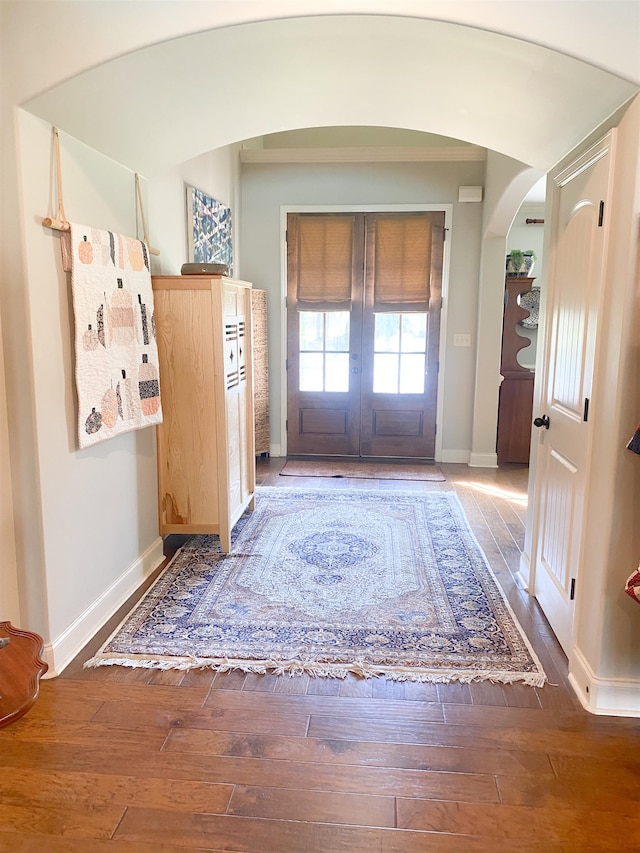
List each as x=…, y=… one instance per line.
x=275, y=450
x=483, y=460
x=523, y=574
x=611, y=697
x=65, y=647
x=461, y=456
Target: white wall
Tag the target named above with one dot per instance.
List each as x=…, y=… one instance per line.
x=10, y=596
x=266, y=188
x=87, y=520
x=507, y=182
x=94, y=512
x=216, y=174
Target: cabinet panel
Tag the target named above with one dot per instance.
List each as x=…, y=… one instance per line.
x=514, y=419
x=206, y=463
x=186, y=473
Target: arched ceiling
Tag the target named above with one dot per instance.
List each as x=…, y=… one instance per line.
x=169, y=102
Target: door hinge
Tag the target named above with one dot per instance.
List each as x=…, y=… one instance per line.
x=601, y=215
x=286, y=364
x=444, y=234
x=441, y=302
x=435, y=429
x=286, y=424
x=286, y=302
x=572, y=594
x=286, y=236
x=585, y=411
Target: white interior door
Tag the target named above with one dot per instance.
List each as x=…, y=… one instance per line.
x=574, y=299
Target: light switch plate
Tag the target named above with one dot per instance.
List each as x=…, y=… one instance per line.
x=462, y=340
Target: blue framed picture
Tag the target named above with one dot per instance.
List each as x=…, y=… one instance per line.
x=209, y=230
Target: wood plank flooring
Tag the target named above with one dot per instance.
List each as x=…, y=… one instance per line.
x=119, y=760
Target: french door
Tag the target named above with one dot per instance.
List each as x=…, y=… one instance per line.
x=363, y=329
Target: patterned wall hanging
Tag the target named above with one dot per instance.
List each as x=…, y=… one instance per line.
x=209, y=230
x=115, y=346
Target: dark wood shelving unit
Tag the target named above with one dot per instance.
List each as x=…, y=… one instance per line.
x=515, y=408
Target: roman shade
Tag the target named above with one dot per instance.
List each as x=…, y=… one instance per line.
x=402, y=262
x=325, y=262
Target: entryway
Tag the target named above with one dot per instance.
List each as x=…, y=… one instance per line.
x=363, y=333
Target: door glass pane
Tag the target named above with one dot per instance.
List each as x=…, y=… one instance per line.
x=387, y=333
x=337, y=331
x=311, y=330
x=337, y=371
x=324, y=351
x=385, y=373
x=311, y=378
x=414, y=332
x=412, y=373
x=400, y=342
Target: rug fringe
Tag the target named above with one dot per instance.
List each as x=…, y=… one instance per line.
x=319, y=669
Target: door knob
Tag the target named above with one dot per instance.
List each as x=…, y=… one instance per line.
x=542, y=422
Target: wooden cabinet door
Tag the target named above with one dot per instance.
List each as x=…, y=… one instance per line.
x=239, y=441
x=187, y=459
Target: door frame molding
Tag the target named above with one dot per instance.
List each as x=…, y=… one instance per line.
x=285, y=209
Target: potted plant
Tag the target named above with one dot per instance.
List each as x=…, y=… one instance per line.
x=520, y=262
x=515, y=261
x=529, y=261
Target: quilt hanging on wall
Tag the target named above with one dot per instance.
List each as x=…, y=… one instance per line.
x=116, y=356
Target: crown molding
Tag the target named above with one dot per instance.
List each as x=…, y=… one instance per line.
x=451, y=153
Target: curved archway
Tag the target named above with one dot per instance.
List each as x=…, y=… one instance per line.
x=499, y=220
x=192, y=94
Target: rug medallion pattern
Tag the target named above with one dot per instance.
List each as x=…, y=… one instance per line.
x=328, y=583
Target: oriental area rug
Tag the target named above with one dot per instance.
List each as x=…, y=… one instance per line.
x=331, y=583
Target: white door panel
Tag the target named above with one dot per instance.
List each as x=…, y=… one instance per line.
x=574, y=299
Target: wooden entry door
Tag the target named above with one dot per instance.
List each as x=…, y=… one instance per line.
x=573, y=303
x=364, y=294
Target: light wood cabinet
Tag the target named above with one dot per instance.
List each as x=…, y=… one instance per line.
x=206, y=456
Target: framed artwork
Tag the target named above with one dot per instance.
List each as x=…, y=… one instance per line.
x=210, y=236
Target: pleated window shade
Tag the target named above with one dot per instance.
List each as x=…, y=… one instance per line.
x=402, y=262
x=325, y=262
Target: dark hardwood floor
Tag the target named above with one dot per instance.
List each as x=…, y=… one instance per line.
x=116, y=759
